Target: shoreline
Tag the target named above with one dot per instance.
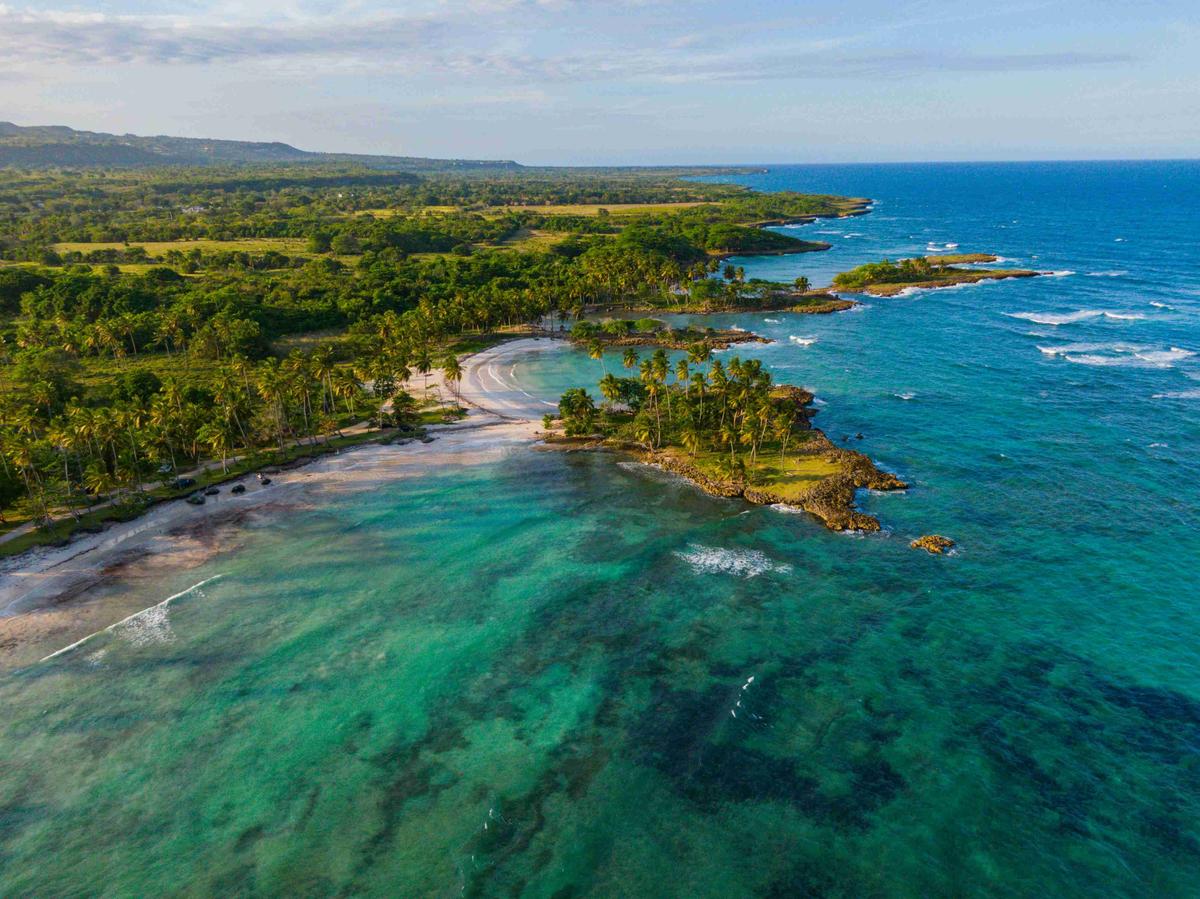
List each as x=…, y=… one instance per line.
x=52, y=597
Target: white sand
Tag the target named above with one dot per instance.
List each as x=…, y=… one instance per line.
x=50, y=598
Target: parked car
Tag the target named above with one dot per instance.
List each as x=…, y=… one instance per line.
x=238, y=489
x=212, y=491
x=183, y=483
x=196, y=499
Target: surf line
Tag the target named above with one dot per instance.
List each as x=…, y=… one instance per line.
x=128, y=618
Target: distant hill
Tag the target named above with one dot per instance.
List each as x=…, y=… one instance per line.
x=51, y=146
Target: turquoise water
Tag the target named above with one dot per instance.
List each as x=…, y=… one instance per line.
x=533, y=676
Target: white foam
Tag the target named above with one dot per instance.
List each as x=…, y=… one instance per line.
x=1066, y=318
x=962, y=285
x=771, y=321
x=1065, y=273
x=1158, y=305
x=1117, y=354
x=1068, y=348
x=904, y=396
x=802, y=341
x=1115, y=273
x=1177, y=395
x=147, y=626
x=786, y=509
x=1132, y=358
x=1165, y=357
x=746, y=563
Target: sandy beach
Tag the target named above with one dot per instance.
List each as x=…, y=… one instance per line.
x=53, y=597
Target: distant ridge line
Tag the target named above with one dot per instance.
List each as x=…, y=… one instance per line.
x=50, y=146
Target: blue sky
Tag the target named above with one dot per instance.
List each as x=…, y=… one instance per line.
x=621, y=81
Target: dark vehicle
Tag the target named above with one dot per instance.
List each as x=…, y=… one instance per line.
x=183, y=483
x=196, y=499
x=212, y=491
x=265, y=481
x=237, y=489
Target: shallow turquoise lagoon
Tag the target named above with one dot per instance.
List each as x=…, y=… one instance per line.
x=554, y=675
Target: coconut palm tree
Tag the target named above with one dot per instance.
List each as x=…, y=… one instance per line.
x=452, y=371
x=596, y=351
x=217, y=436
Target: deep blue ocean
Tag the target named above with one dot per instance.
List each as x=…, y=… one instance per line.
x=560, y=675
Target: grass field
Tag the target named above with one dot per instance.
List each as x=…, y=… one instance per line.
x=528, y=239
x=789, y=478
x=291, y=246
x=594, y=208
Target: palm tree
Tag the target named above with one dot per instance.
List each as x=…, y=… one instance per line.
x=323, y=367
x=347, y=388
x=216, y=436
x=630, y=359
x=610, y=388
x=452, y=371
x=98, y=481
x=272, y=388
x=596, y=351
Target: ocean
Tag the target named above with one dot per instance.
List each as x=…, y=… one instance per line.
x=564, y=674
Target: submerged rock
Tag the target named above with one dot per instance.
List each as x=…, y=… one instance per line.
x=933, y=543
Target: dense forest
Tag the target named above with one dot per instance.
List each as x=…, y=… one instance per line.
x=154, y=318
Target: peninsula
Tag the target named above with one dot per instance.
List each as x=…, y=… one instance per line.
x=729, y=429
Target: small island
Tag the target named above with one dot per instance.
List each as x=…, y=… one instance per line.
x=729, y=429
x=888, y=279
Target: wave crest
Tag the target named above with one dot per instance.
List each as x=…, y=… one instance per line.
x=1055, y=319
x=745, y=563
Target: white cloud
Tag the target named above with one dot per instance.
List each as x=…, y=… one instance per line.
x=485, y=40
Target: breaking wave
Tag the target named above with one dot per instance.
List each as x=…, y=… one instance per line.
x=802, y=341
x=1117, y=354
x=1066, y=318
x=746, y=563
x=1193, y=394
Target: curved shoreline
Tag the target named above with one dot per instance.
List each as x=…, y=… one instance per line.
x=51, y=598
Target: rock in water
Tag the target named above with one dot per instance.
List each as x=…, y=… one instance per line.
x=933, y=543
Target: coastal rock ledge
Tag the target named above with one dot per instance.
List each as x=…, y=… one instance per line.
x=934, y=544
x=831, y=499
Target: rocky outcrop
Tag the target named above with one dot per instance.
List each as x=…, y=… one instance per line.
x=821, y=304
x=935, y=544
x=831, y=499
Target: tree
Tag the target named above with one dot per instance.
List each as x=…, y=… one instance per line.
x=596, y=351
x=345, y=245
x=578, y=412
x=802, y=284
x=217, y=437
x=452, y=371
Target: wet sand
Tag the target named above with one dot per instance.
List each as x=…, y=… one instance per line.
x=52, y=597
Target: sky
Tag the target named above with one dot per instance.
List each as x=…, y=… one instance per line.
x=595, y=82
